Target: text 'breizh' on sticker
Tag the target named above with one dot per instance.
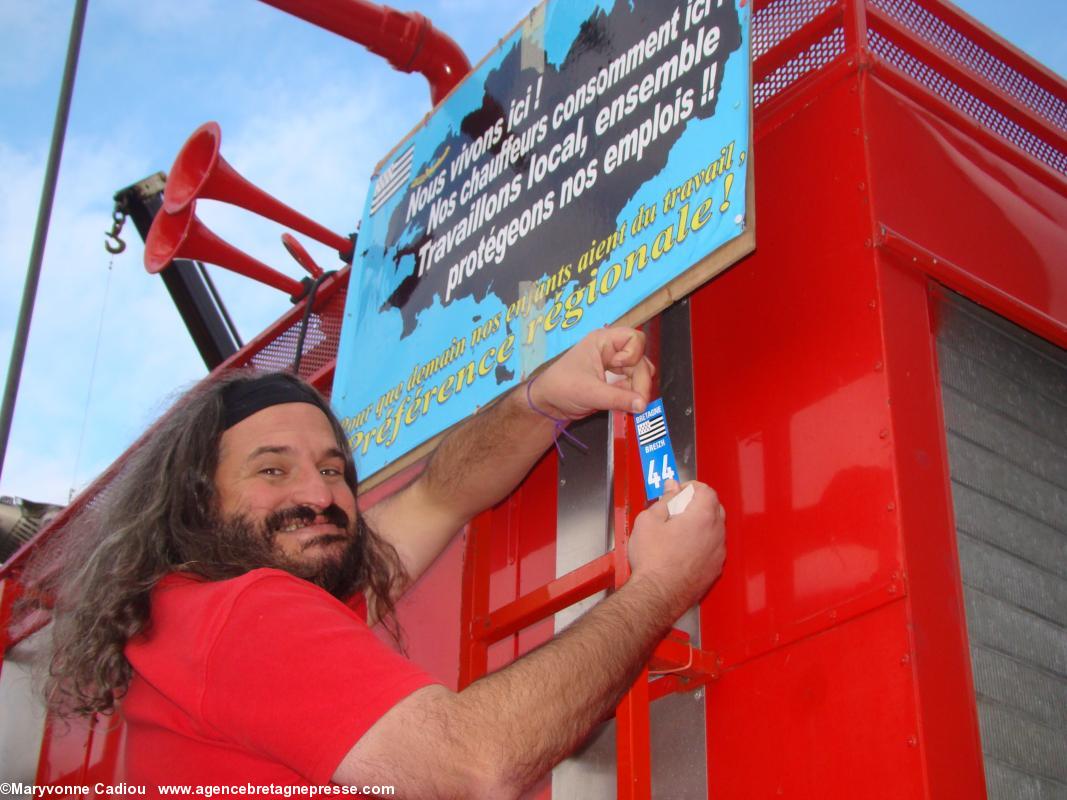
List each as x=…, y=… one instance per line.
x=654, y=447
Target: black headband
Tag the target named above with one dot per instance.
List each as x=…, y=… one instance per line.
x=243, y=399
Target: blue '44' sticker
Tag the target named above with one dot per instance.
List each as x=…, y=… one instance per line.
x=654, y=446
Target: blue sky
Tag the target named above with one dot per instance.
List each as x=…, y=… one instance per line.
x=304, y=114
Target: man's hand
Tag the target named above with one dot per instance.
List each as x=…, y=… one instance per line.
x=683, y=554
x=577, y=384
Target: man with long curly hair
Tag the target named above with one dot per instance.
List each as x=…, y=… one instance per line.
x=222, y=585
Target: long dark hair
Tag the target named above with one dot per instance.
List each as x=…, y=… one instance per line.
x=156, y=516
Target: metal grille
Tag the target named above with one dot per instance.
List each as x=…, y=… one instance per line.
x=773, y=23
x=320, y=341
x=818, y=55
x=967, y=102
x=942, y=36
x=1006, y=426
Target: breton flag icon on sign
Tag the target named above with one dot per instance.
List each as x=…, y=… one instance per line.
x=652, y=429
x=395, y=177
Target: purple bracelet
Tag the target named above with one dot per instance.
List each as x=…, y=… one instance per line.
x=560, y=424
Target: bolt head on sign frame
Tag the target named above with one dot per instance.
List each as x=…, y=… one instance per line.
x=591, y=170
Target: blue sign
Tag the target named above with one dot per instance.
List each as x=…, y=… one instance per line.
x=595, y=157
x=654, y=447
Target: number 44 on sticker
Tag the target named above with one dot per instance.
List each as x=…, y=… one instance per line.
x=654, y=447
x=666, y=473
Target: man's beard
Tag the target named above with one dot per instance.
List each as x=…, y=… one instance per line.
x=254, y=544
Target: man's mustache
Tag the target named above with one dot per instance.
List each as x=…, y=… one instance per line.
x=305, y=515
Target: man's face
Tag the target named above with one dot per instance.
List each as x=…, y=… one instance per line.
x=280, y=477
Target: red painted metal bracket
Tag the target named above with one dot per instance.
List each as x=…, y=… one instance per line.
x=893, y=591
x=676, y=655
x=956, y=277
x=10, y=590
x=545, y=600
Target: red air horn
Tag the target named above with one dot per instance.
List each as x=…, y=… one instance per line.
x=183, y=235
x=200, y=171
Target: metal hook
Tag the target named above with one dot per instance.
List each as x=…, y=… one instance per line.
x=119, y=218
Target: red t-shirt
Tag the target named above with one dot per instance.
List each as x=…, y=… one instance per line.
x=262, y=679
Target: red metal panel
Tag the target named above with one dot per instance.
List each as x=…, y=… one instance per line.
x=826, y=718
x=9, y=592
x=633, y=752
x=473, y=651
x=536, y=553
x=102, y=761
x=80, y=751
x=939, y=187
x=791, y=412
x=948, y=717
x=510, y=553
x=64, y=749
x=793, y=430
x=429, y=615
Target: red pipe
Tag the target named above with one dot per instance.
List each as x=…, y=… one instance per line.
x=408, y=41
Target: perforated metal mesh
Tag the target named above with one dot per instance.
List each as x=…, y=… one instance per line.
x=942, y=36
x=774, y=22
x=967, y=102
x=320, y=341
x=818, y=55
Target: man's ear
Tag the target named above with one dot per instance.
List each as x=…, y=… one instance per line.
x=203, y=488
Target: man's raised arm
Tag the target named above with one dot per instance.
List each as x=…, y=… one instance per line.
x=484, y=459
x=502, y=733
